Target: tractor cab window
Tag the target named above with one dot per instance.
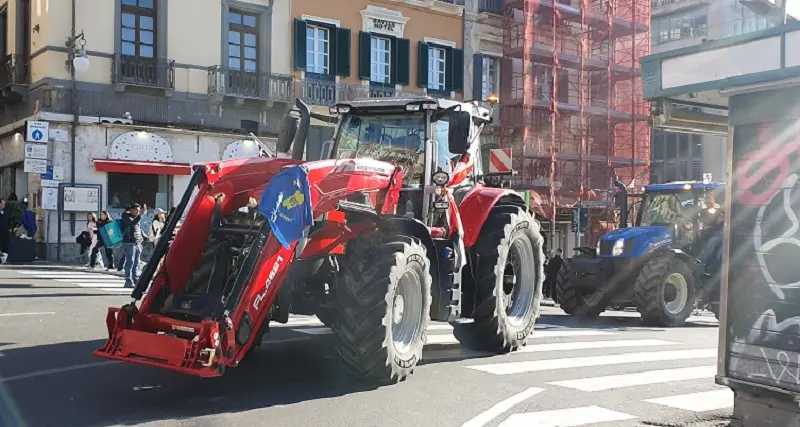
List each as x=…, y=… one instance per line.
x=445, y=159
x=393, y=138
x=666, y=208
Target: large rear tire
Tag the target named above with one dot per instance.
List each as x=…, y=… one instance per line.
x=575, y=302
x=664, y=292
x=507, y=283
x=383, y=300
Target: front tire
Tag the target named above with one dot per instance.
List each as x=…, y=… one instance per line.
x=573, y=300
x=383, y=300
x=507, y=283
x=665, y=291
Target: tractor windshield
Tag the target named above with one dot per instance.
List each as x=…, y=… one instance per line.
x=666, y=208
x=393, y=138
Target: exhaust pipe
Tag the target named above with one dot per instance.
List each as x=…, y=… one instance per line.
x=299, y=143
x=623, y=203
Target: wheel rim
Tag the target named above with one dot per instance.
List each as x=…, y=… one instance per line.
x=518, y=281
x=406, y=312
x=592, y=298
x=676, y=293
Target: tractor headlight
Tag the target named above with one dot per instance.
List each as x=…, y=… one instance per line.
x=597, y=248
x=619, y=246
x=441, y=178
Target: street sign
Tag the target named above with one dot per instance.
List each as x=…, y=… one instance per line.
x=50, y=183
x=35, y=151
x=35, y=166
x=500, y=160
x=37, y=131
x=55, y=173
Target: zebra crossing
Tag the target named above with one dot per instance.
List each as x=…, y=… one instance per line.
x=87, y=279
x=651, y=373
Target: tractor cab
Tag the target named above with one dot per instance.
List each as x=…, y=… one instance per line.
x=435, y=141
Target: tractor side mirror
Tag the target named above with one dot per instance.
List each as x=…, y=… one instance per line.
x=458, y=133
x=287, y=133
x=327, y=146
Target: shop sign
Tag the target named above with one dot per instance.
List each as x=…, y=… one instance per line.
x=141, y=147
x=242, y=149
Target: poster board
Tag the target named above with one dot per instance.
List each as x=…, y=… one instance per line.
x=80, y=198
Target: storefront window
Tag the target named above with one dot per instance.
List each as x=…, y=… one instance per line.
x=152, y=190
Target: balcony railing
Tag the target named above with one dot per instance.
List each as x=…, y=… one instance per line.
x=491, y=6
x=328, y=93
x=14, y=70
x=243, y=84
x=139, y=71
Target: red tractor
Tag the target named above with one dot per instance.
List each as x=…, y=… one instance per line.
x=404, y=232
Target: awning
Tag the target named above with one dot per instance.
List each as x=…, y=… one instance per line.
x=145, y=168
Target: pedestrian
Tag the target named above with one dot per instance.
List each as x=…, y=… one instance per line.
x=551, y=273
x=105, y=219
x=91, y=227
x=132, y=242
x=121, y=262
x=5, y=231
x=157, y=227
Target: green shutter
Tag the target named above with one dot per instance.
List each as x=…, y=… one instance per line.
x=448, y=69
x=422, y=65
x=343, y=52
x=458, y=70
x=403, y=62
x=300, y=48
x=477, y=77
x=363, y=55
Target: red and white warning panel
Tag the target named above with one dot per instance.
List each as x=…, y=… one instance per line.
x=500, y=160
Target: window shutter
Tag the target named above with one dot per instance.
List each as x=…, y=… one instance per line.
x=343, y=52
x=458, y=70
x=422, y=65
x=477, y=77
x=300, y=47
x=402, y=63
x=448, y=69
x=364, y=48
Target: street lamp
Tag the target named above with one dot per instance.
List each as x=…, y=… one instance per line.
x=77, y=59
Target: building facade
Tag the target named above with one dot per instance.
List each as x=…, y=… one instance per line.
x=164, y=89
x=369, y=49
x=681, y=23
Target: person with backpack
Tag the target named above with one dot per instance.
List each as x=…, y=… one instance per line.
x=132, y=239
x=105, y=219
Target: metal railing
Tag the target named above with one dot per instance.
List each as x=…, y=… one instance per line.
x=239, y=83
x=328, y=93
x=491, y=6
x=139, y=71
x=14, y=70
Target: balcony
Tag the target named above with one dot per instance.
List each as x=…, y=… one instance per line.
x=667, y=7
x=146, y=72
x=327, y=93
x=240, y=84
x=491, y=6
x=14, y=78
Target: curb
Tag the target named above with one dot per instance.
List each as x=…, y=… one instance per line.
x=47, y=264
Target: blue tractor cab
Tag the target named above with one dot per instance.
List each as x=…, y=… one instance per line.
x=662, y=265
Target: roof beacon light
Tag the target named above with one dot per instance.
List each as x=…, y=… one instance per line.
x=706, y=178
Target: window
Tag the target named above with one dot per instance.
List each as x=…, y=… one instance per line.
x=436, y=68
x=380, y=60
x=138, y=31
x=317, y=50
x=125, y=189
x=489, y=77
x=243, y=41
x=692, y=23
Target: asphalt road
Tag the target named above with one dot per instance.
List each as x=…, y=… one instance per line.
x=610, y=372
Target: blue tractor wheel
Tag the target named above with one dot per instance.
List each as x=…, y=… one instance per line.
x=575, y=301
x=665, y=292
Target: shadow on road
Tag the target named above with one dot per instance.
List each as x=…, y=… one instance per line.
x=59, y=295
x=12, y=286
x=617, y=323
x=128, y=394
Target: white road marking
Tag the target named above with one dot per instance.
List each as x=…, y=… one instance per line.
x=55, y=371
x=448, y=339
x=93, y=280
x=569, y=417
x=698, y=402
x=569, y=333
x=510, y=368
x=586, y=345
x=488, y=415
x=314, y=331
x=659, y=376
x=100, y=284
x=34, y=313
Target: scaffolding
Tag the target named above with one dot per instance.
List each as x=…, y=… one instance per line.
x=573, y=112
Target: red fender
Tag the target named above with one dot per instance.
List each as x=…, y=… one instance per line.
x=475, y=209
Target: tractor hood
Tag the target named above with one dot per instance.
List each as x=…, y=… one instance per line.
x=638, y=240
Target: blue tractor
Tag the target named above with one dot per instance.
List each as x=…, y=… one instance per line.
x=663, y=265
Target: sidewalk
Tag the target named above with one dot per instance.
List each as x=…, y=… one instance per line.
x=53, y=265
